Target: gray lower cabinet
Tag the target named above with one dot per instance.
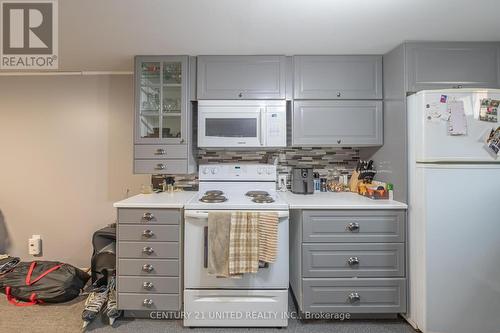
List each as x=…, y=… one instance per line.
x=149, y=259
x=337, y=77
x=355, y=267
x=337, y=123
x=241, y=77
x=438, y=65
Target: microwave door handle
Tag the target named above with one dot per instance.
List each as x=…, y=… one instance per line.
x=261, y=126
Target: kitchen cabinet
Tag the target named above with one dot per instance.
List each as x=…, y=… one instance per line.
x=337, y=123
x=438, y=65
x=338, y=77
x=162, y=114
x=149, y=259
x=241, y=77
x=359, y=268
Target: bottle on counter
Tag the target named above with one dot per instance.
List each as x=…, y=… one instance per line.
x=390, y=189
x=317, y=185
x=323, y=187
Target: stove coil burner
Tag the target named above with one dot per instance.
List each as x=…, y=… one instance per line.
x=213, y=198
x=254, y=194
x=263, y=199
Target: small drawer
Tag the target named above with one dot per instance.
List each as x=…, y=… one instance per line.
x=350, y=226
x=150, y=233
x=148, y=285
x=158, y=152
x=128, y=301
x=148, y=267
x=158, y=250
x=161, y=166
x=353, y=260
x=354, y=295
x=148, y=216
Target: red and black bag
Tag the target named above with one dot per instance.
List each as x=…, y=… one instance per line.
x=42, y=282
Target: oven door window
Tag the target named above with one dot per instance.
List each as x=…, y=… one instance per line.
x=231, y=127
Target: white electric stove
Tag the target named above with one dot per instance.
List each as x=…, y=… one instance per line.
x=255, y=300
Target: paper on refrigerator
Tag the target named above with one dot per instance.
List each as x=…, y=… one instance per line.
x=457, y=122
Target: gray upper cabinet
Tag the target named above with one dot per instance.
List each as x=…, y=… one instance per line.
x=338, y=77
x=438, y=65
x=337, y=123
x=162, y=114
x=241, y=77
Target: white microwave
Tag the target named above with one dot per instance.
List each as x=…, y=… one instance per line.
x=241, y=124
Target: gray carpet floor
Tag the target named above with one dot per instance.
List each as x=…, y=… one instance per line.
x=66, y=318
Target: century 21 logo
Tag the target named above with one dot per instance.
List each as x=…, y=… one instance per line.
x=29, y=35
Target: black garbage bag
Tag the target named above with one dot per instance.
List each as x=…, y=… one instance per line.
x=42, y=282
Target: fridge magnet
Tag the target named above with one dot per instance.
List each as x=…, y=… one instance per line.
x=443, y=98
x=489, y=110
x=493, y=142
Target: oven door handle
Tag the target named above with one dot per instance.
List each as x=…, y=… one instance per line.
x=205, y=247
x=204, y=215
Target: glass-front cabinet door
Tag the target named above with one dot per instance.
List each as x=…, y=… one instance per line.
x=161, y=99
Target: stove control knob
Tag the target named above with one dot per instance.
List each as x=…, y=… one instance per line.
x=205, y=171
x=214, y=171
x=269, y=171
x=260, y=171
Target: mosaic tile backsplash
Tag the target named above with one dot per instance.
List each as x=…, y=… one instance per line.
x=320, y=159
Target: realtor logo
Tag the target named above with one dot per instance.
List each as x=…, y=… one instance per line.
x=29, y=38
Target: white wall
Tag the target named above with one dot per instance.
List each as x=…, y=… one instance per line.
x=66, y=156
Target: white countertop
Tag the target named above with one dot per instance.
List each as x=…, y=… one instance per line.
x=157, y=200
x=341, y=200
x=319, y=200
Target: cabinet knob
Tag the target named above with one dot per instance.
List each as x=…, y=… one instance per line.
x=352, y=227
x=148, y=216
x=160, y=166
x=339, y=141
x=160, y=151
x=148, y=233
x=353, y=261
x=182, y=140
x=148, y=250
x=354, y=297
x=338, y=94
x=147, y=302
x=147, y=285
x=240, y=95
x=147, y=268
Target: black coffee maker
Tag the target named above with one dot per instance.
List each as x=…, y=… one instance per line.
x=302, y=181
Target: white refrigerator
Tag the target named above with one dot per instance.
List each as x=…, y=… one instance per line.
x=453, y=216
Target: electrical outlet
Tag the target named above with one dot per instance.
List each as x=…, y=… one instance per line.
x=35, y=245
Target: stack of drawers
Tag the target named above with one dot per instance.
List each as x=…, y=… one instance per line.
x=148, y=266
x=350, y=261
x=161, y=159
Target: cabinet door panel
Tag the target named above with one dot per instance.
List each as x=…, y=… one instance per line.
x=338, y=77
x=355, y=295
x=337, y=123
x=241, y=77
x=450, y=65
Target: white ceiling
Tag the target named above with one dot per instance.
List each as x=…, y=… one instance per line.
x=105, y=34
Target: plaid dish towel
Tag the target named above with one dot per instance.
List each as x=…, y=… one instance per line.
x=268, y=236
x=244, y=243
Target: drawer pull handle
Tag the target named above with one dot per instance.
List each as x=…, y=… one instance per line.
x=147, y=285
x=352, y=227
x=148, y=216
x=148, y=250
x=353, y=261
x=160, y=151
x=148, y=233
x=160, y=166
x=354, y=298
x=147, y=268
x=147, y=302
